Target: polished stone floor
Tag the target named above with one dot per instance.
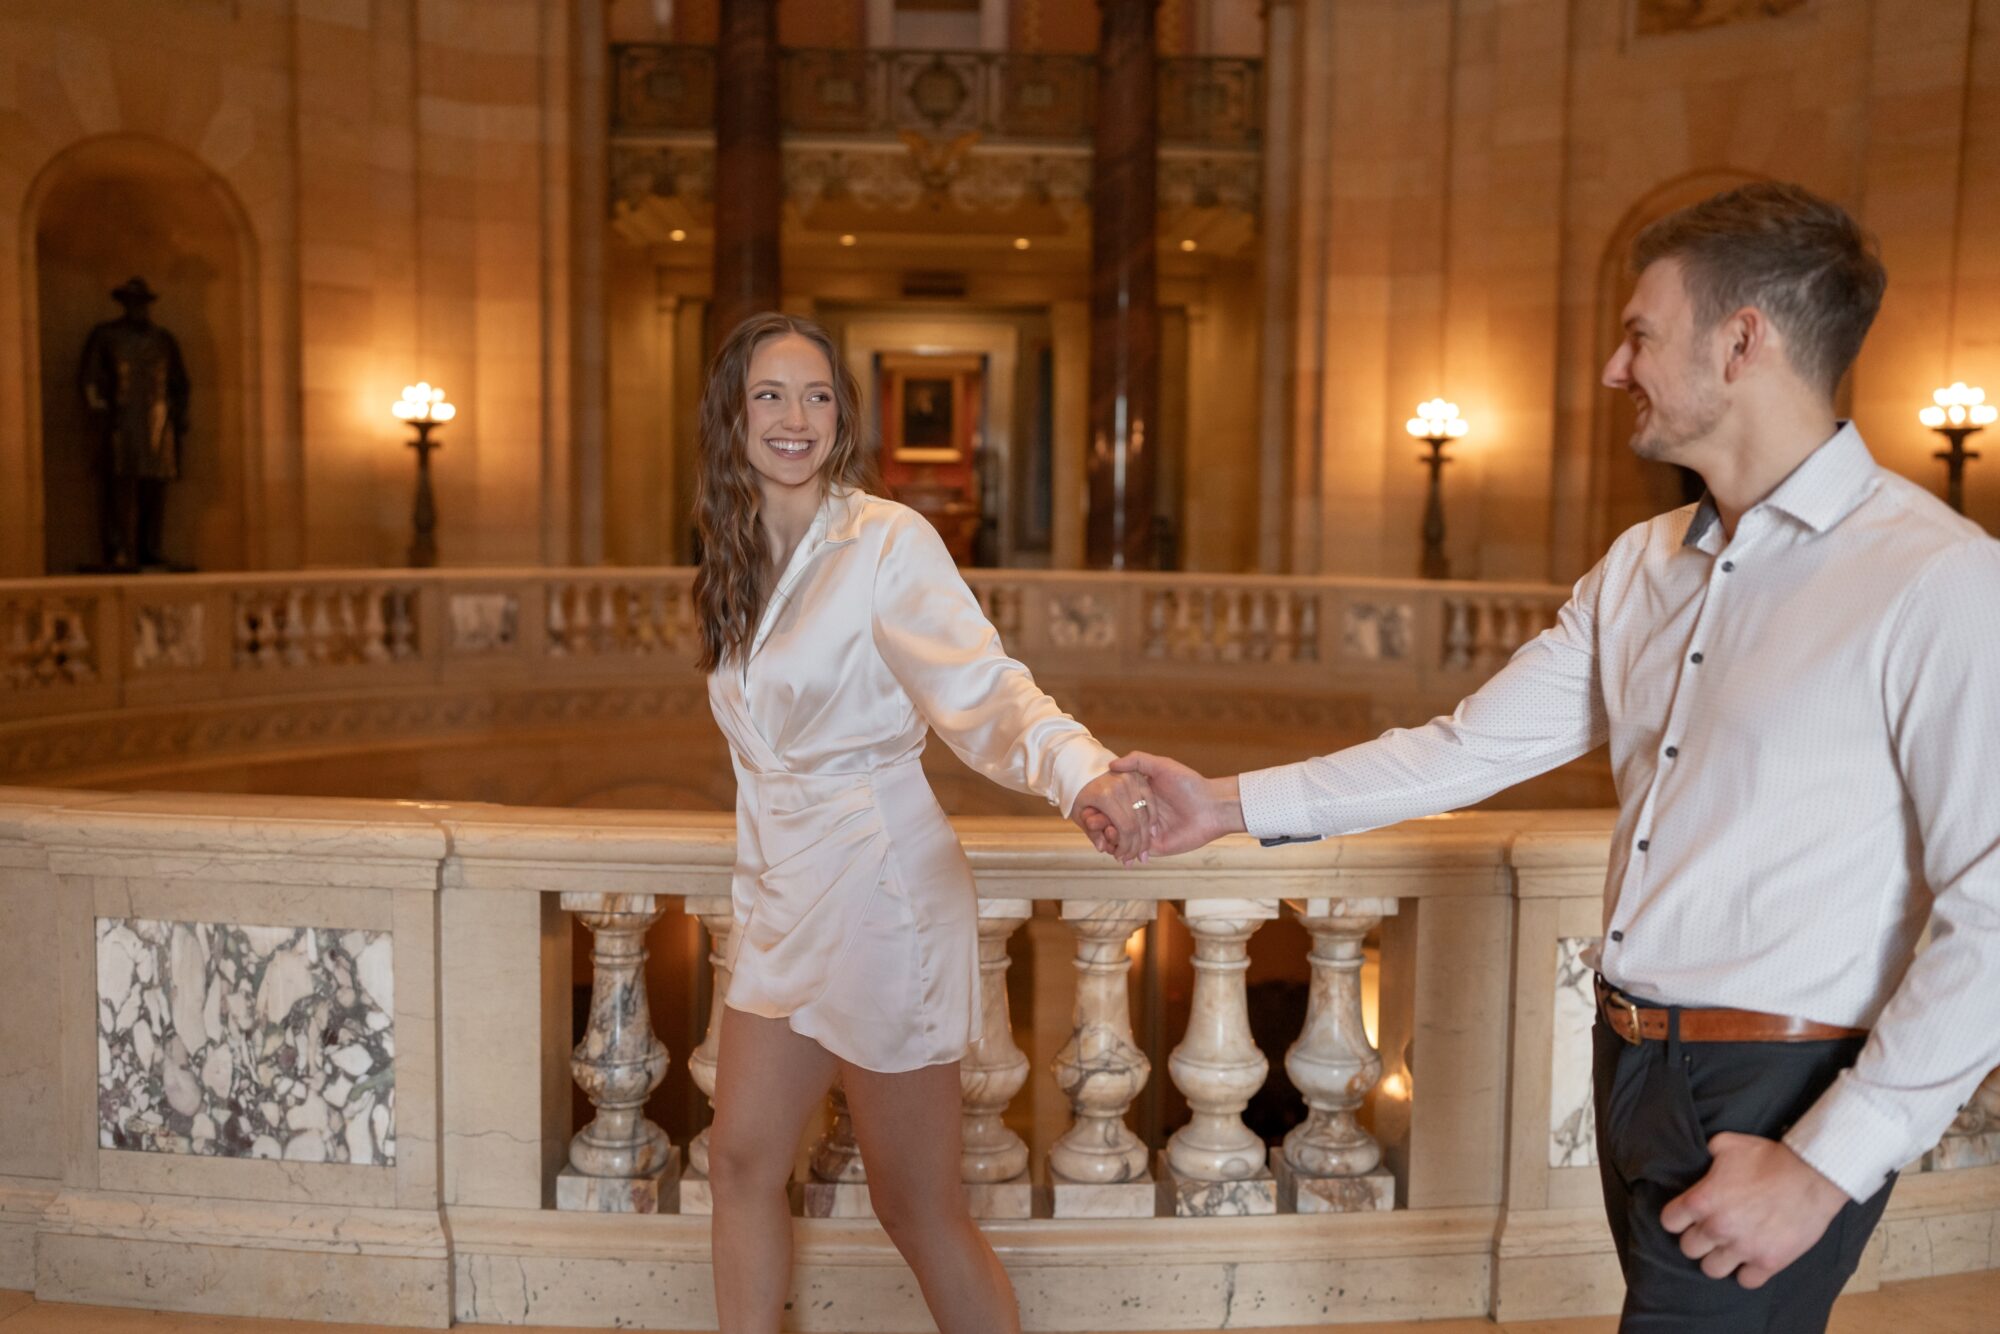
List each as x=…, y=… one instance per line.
x=1962, y=1304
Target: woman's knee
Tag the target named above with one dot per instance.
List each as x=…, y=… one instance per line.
x=745, y=1163
x=917, y=1210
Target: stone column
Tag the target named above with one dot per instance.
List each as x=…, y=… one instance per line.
x=719, y=918
x=994, y=1161
x=1330, y=1164
x=838, y=1186
x=1124, y=297
x=1098, y=1167
x=1214, y=1165
x=749, y=163
x=1279, y=279
x=621, y=1162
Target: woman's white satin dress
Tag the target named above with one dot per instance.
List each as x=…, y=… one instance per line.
x=856, y=919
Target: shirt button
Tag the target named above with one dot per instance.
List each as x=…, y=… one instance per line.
x=1617, y=936
x=1645, y=843
x=1673, y=752
x=1729, y=567
x=1695, y=658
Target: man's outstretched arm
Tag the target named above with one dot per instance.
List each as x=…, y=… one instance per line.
x=1542, y=709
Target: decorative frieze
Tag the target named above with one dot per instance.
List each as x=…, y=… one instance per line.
x=246, y=1041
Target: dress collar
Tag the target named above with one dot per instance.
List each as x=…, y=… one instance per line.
x=838, y=520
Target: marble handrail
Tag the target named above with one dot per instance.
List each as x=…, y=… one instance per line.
x=440, y=936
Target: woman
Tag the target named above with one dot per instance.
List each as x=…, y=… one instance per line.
x=836, y=632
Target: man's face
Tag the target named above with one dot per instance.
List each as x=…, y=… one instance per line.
x=1665, y=363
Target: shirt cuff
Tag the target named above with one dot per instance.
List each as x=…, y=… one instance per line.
x=1073, y=767
x=1849, y=1141
x=1276, y=803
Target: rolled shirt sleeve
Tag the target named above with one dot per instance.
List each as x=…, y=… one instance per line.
x=947, y=656
x=1935, y=1039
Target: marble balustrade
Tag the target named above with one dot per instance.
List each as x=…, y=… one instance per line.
x=77, y=645
x=314, y=1058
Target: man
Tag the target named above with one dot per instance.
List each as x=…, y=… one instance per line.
x=1799, y=679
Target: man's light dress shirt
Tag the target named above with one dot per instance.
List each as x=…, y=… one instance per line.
x=1804, y=725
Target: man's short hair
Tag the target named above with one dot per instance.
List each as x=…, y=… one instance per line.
x=1800, y=259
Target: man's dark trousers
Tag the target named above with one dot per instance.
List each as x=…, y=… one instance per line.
x=1657, y=1105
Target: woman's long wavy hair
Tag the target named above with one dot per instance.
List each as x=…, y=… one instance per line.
x=735, y=577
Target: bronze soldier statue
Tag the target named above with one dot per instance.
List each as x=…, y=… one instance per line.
x=135, y=389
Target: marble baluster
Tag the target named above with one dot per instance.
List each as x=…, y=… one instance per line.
x=1156, y=625
x=1184, y=631
x=1205, y=649
x=1259, y=645
x=1284, y=635
x=1214, y=1165
x=1098, y=1167
x=1330, y=1164
x=837, y=1186
x=621, y=1162
x=994, y=1161
x=718, y=916
x=375, y=627
x=1308, y=627
x=556, y=622
x=1457, y=634
x=292, y=635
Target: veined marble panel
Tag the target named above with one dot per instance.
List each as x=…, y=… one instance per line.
x=246, y=1041
x=1572, y=1114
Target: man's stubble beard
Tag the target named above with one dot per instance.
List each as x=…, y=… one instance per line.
x=1666, y=435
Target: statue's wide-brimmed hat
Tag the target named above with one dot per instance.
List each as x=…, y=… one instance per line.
x=134, y=290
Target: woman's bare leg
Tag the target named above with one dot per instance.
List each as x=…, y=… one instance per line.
x=908, y=1127
x=768, y=1079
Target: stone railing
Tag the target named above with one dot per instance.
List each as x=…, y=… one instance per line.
x=315, y=1059
x=1210, y=102
x=82, y=643
x=112, y=682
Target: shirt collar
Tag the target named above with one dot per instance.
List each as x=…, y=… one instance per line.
x=842, y=511
x=1827, y=487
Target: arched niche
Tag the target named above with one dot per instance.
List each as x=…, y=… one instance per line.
x=1624, y=488
x=102, y=211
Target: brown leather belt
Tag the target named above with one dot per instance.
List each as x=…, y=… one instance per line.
x=1638, y=1023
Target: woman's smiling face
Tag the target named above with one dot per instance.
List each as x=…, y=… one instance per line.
x=789, y=417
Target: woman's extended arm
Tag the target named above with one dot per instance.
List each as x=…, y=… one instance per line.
x=930, y=631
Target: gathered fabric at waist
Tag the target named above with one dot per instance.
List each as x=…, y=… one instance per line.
x=792, y=813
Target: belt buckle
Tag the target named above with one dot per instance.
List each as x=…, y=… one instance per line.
x=1632, y=1012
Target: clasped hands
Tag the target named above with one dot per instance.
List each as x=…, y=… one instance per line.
x=1147, y=803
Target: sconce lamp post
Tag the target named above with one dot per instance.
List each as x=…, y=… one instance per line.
x=1436, y=423
x=1956, y=413
x=424, y=408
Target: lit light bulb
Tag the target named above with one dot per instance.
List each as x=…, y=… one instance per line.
x=1436, y=420
x=1022, y=243
x=678, y=234
x=1188, y=244
x=848, y=238
x=1958, y=405
x=421, y=402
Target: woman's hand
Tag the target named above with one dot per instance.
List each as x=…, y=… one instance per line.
x=1124, y=824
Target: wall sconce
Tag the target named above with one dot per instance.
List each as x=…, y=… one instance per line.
x=1956, y=413
x=424, y=408
x=1436, y=423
